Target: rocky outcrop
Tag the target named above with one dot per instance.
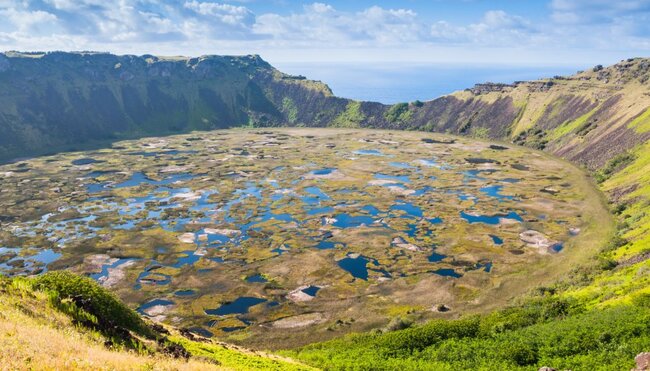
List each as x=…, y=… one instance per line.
x=539, y=86
x=490, y=87
x=401, y=243
x=301, y=320
x=540, y=241
x=642, y=362
x=187, y=238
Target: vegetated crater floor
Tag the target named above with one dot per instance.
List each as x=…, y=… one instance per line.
x=276, y=238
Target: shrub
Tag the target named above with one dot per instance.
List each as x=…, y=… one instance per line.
x=91, y=305
x=542, y=332
x=642, y=300
x=615, y=164
x=398, y=113
x=518, y=352
x=606, y=264
x=614, y=243
x=399, y=323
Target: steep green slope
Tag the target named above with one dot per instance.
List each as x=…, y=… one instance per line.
x=63, y=321
x=58, y=101
x=543, y=332
x=62, y=101
x=599, y=119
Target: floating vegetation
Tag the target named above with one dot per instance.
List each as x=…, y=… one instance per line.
x=250, y=228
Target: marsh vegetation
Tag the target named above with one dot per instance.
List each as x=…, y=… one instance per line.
x=281, y=237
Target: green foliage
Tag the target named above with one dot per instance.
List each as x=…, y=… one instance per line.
x=399, y=323
x=40, y=297
x=570, y=126
x=290, y=109
x=230, y=359
x=641, y=123
x=584, y=127
x=642, y=300
x=398, y=114
x=83, y=101
x=533, y=138
x=352, y=117
x=614, y=243
x=480, y=132
x=92, y=306
x=615, y=164
x=462, y=129
x=605, y=264
x=546, y=331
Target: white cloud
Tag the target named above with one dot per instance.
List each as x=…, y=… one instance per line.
x=322, y=22
x=226, y=13
x=601, y=11
x=28, y=21
x=319, y=30
x=72, y=5
x=498, y=19
x=496, y=28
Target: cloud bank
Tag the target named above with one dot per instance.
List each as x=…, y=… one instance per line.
x=568, y=29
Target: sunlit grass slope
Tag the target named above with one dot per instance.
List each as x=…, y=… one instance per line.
x=545, y=331
x=64, y=322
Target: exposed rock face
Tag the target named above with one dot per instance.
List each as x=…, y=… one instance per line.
x=298, y=295
x=403, y=244
x=563, y=109
x=540, y=241
x=187, y=238
x=642, y=361
x=490, y=87
x=540, y=86
x=635, y=259
x=302, y=320
x=225, y=232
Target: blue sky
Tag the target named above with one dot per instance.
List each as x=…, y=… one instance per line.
x=515, y=32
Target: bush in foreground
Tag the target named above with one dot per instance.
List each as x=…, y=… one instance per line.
x=545, y=332
x=91, y=305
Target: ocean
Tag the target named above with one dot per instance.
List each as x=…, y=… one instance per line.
x=392, y=83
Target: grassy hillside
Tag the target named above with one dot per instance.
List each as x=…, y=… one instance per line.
x=543, y=332
x=596, y=317
x=61, y=101
x=64, y=101
x=599, y=119
x=62, y=321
